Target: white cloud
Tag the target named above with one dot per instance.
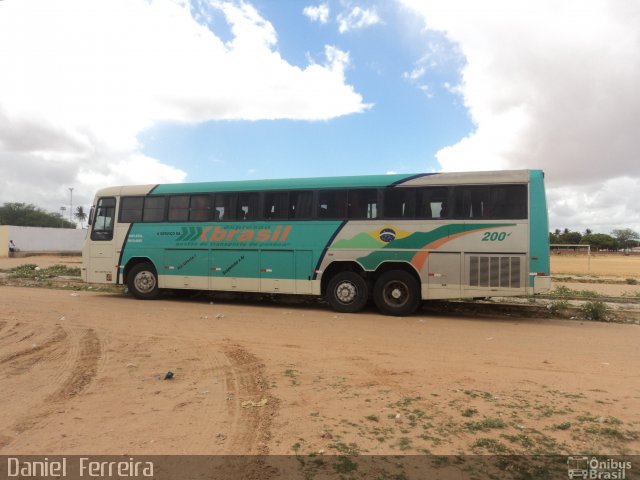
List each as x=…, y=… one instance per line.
x=426, y=90
x=80, y=81
x=601, y=206
x=319, y=13
x=130, y=170
x=337, y=59
x=554, y=86
x=357, y=18
x=415, y=74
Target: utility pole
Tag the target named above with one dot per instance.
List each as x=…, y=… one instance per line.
x=71, y=204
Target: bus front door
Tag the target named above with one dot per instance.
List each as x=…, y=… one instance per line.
x=101, y=262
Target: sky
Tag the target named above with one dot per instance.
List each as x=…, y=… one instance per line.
x=95, y=93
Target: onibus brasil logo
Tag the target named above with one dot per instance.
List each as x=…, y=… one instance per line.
x=608, y=469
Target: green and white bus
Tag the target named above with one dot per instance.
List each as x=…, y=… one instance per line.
x=398, y=239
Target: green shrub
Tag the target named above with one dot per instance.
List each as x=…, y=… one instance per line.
x=595, y=310
x=557, y=305
x=487, y=423
x=563, y=426
x=562, y=291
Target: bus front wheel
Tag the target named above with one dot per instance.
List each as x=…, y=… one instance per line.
x=397, y=293
x=143, y=281
x=347, y=292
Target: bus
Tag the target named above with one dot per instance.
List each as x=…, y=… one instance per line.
x=398, y=239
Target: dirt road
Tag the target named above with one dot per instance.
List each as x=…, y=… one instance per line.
x=83, y=372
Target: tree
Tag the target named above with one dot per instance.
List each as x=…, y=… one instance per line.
x=569, y=237
x=80, y=215
x=626, y=237
x=600, y=241
x=28, y=215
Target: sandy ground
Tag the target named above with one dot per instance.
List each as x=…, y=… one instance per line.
x=607, y=268
x=597, y=265
x=83, y=372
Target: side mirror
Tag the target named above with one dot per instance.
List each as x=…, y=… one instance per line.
x=90, y=220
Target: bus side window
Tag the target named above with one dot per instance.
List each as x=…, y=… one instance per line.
x=275, y=205
x=472, y=202
x=509, y=201
x=300, y=204
x=323, y=205
x=248, y=206
x=332, y=204
x=431, y=202
x=363, y=203
x=104, y=218
x=153, y=209
x=223, y=207
x=399, y=202
x=199, y=209
x=131, y=209
x=179, y=208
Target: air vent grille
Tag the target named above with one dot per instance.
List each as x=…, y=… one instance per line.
x=494, y=271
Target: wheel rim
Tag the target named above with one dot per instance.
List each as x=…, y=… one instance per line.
x=145, y=281
x=346, y=292
x=396, y=293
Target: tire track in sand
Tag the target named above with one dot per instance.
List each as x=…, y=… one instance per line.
x=83, y=369
x=11, y=332
x=51, y=347
x=245, y=382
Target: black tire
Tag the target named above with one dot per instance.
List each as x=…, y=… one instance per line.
x=347, y=292
x=397, y=293
x=142, y=281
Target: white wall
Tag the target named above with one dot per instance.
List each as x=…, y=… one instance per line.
x=39, y=239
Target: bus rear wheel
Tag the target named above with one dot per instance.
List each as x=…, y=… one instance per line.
x=143, y=281
x=397, y=293
x=347, y=292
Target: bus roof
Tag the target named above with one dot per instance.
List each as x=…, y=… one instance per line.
x=372, y=181
x=360, y=181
